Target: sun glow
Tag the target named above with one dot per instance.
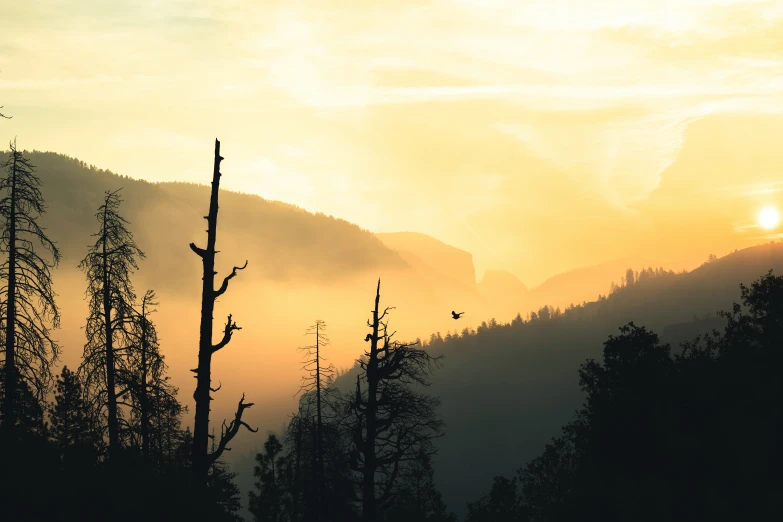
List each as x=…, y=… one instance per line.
x=769, y=218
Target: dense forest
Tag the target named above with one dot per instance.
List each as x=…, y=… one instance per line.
x=675, y=427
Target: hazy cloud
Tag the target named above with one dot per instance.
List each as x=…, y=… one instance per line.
x=402, y=115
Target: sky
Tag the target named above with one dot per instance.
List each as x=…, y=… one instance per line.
x=541, y=136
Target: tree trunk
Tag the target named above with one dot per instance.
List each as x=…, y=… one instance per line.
x=319, y=429
x=160, y=443
x=201, y=427
x=9, y=406
x=369, y=504
x=145, y=431
x=114, y=440
x=297, y=467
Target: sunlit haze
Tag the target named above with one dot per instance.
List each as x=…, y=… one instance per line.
x=541, y=241
x=769, y=218
x=540, y=136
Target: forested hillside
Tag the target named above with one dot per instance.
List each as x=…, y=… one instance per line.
x=281, y=241
x=508, y=387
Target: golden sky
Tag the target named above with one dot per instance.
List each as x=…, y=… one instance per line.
x=539, y=135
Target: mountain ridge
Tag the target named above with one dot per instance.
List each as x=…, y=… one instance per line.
x=520, y=377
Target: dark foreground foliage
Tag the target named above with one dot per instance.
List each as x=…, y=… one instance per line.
x=687, y=434
x=45, y=483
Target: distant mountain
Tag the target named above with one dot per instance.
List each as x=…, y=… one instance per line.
x=322, y=257
x=496, y=283
x=582, y=284
x=442, y=263
x=504, y=293
x=507, y=389
x=282, y=242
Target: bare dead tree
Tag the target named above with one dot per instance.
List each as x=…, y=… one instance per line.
x=317, y=380
x=392, y=421
x=108, y=266
x=202, y=458
x=28, y=301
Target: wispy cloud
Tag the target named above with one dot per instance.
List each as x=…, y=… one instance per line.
x=56, y=83
x=488, y=106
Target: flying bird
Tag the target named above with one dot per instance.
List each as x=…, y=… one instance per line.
x=455, y=315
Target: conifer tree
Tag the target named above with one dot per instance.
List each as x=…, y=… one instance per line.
x=28, y=304
x=70, y=423
x=316, y=382
x=417, y=499
x=265, y=502
x=152, y=395
x=108, y=266
x=29, y=413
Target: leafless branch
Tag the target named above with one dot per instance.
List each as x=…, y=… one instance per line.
x=227, y=332
x=229, y=431
x=200, y=252
x=223, y=287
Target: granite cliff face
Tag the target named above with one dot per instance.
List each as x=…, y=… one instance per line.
x=443, y=264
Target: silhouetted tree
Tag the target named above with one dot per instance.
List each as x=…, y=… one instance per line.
x=629, y=277
x=303, y=500
x=266, y=501
x=202, y=459
x=71, y=429
x=30, y=461
x=224, y=497
x=152, y=396
x=151, y=365
x=692, y=435
x=298, y=439
x=501, y=504
x=392, y=422
x=547, y=482
x=316, y=381
x=29, y=412
x=108, y=266
x=28, y=302
x=167, y=435
x=756, y=324
x=627, y=400
x=417, y=499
